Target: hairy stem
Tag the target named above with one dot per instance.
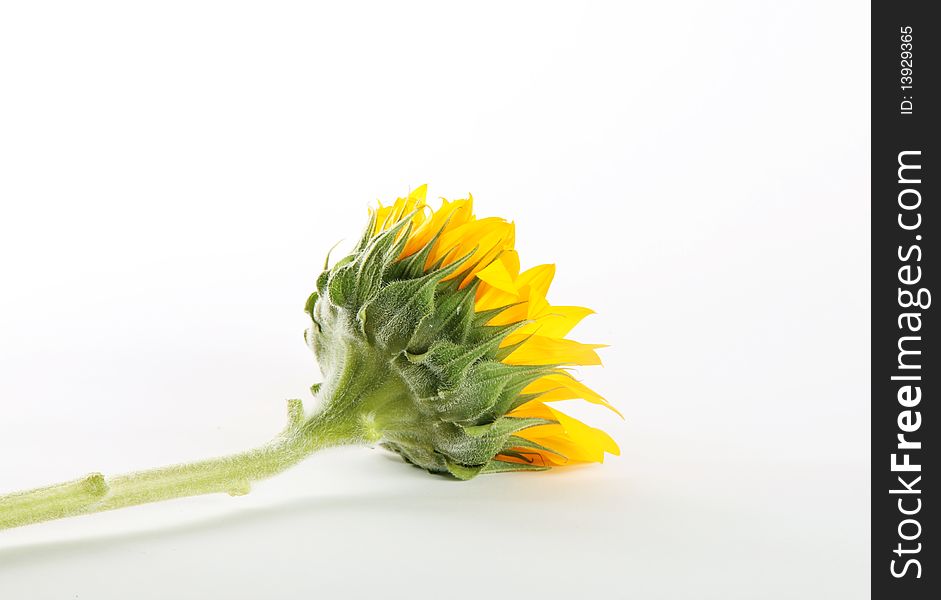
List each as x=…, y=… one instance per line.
x=232, y=474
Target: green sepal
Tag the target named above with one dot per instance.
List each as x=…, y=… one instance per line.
x=414, y=265
x=341, y=286
x=476, y=445
x=367, y=233
x=481, y=395
x=502, y=466
x=506, y=351
x=515, y=441
x=392, y=316
x=463, y=472
x=375, y=259
x=486, y=332
x=450, y=361
x=420, y=456
x=311, y=301
x=504, y=426
x=322, y=283
x=421, y=382
x=518, y=401
x=451, y=318
x=483, y=317
x=309, y=309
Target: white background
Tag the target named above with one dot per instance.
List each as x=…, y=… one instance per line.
x=172, y=175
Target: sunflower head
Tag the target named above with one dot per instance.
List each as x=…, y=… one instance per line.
x=434, y=344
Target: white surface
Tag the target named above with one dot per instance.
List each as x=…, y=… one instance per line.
x=171, y=178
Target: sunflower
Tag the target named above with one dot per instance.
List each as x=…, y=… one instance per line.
x=512, y=299
x=432, y=343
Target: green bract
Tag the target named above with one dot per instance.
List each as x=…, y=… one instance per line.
x=408, y=362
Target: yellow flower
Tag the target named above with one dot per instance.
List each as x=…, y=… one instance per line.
x=522, y=296
x=431, y=342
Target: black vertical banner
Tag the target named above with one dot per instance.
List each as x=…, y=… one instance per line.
x=906, y=380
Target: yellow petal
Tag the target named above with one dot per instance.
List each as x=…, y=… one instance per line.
x=556, y=321
x=418, y=195
x=538, y=278
x=535, y=409
x=466, y=236
x=382, y=216
x=488, y=248
x=586, y=436
x=560, y=386
x=571, y=437
x=497, y=275
x=387, y=216
x=517, y=310
x=541, y=350
x=446, y=216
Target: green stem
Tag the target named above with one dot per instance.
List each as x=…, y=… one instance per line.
x=230, y=474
